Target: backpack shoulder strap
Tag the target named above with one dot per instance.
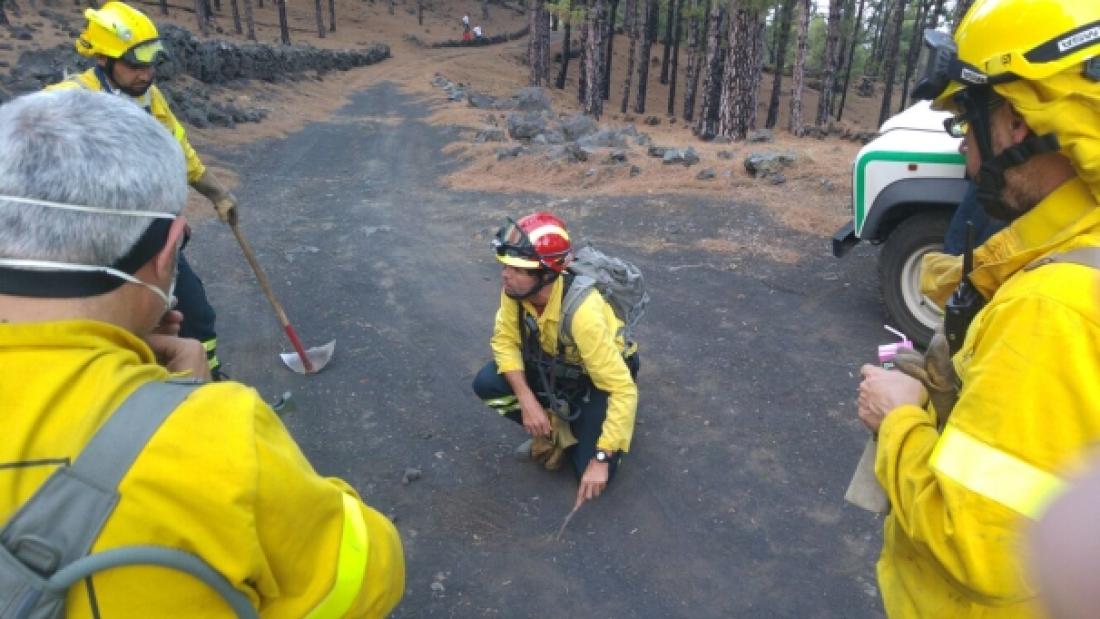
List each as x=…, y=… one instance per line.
x=113, y=449
x=63, y=518
x=581, y=287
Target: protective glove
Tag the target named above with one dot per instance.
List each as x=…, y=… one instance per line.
x=224, y=202
x=550, y=451
x=936, y=372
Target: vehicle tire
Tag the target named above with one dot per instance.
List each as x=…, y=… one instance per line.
x=899, y=272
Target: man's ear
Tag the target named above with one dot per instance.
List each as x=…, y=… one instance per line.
x=164, y=260
x=1018, y=126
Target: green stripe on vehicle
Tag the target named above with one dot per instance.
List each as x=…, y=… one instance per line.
x=896, y=156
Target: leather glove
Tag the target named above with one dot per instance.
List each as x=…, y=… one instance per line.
x=936, y=372
x=224, y=202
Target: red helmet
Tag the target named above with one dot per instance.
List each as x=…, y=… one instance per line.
x=539, y=240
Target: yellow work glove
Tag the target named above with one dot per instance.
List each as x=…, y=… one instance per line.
x=224, y=202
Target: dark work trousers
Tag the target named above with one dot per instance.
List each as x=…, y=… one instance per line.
x=491, y=387
x=198, y=315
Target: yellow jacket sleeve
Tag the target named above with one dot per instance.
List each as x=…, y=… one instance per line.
x=1020, y=398
x=940, y=274
x=507, y=351
x=594, y=331
x=160, y=110
x=302, y=522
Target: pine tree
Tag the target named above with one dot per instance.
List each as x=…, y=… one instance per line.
x=696, y=14
x=795, y=125
x=783, y=32
x=630, y=27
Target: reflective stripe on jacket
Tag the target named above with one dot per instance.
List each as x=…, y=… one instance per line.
x=598, y=346
x=1028, y=409
x=154, y=102
x=222, y=479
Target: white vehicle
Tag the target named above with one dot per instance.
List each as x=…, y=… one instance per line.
x=906, y=185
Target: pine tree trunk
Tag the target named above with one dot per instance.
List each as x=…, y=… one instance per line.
x=666, y=55
x=891, y=60
x=694, y=60
x=842, y=48
x=163, y=10
x=630, y=27
x=217, y=7
x=248, y=21
x=3, y=15
x=419, y=12
x=609, y=54
x=915, y=38
x=752, y=85
x=828, y=63
x=200, y=15
x=565, y=49
x=392, y=3
x=851, y=57
x=332, y=15
x=260, y=4
x=706, y=127
x=597, y=30
x=284, y=27
x=675, y=57
x=484, y=10
x=649, y=28
x=737, y=102
x=320, y=18
x=784, y=31
x=233, y=5
x=795, y=125
x=582, y=60
x=882, y=24
x=538, y=43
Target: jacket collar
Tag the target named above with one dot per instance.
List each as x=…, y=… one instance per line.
x=1068, y=212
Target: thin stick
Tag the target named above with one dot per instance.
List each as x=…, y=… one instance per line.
x=565, y=523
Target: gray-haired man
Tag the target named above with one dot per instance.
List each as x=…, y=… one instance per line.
x=91, y=188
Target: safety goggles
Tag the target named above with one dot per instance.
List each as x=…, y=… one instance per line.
x=511, y=240
x=958, y=126
x=145, y=54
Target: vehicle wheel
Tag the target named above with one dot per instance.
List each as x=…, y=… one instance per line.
x=899, y=271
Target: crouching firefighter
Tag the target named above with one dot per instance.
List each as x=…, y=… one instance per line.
x=562, y=365
x=126, y=47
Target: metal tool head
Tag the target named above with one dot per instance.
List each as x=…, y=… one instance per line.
x=319, y=356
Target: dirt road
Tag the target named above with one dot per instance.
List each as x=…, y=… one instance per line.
x=730, y=502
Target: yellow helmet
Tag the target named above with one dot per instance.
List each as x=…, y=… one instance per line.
x=999, y=41
x=120, y=31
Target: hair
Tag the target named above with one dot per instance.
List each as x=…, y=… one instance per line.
x=86, y=148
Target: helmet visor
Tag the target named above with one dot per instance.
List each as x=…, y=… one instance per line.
x=514, y=247
x=145, y=54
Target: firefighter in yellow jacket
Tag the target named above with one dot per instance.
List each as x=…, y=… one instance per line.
x=126, y=47
x=1023, y=80
x=576, y=398
x=87, y=262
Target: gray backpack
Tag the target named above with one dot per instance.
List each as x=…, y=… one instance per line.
x=44, y=546
x=620, y=282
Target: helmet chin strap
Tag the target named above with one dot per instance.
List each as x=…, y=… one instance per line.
x=546, y=276
x=991, y=176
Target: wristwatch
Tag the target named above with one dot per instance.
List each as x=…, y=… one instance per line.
x=603, y=457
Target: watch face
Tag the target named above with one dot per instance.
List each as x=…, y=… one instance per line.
x=602, y=456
